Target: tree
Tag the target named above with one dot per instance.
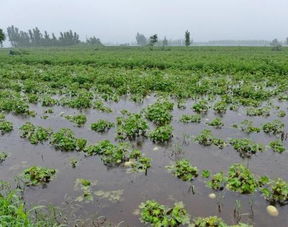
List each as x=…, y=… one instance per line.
x=141, y=39
x=287, y=41
x=94, y=41
x=187, y=39
x=2, y=37
x=153, y=40
x=165, y=42
x=276, y=45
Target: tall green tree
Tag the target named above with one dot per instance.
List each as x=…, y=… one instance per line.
x=276, y=45
x=153, y=40
x=2, y=37
x=187, y=39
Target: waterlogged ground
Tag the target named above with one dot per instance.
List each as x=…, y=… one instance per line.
x=117, y=194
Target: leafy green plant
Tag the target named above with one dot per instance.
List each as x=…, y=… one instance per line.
x=65, y=140
x=281, y=113
x=253, y=111
x=155, y=214
x=274, y=127
x=194, y=118
x=131, y=126
x=201, y=106
x=80, y=119
x=161, y=134
x=247, y=126
x=99, y=105
x=48, y=101
x=217, y=123
x=206, y=138
x=3, y=156
x=220, y=107
x=5, y=126
x=35, y=134
x=212, y=221
x=101, y=126
x=240, y=179
x=38, y=175
x=276, y=191
x=159, y=112
x=277, y=146
x=218, y=181
x=246, y=147
x=183, y=170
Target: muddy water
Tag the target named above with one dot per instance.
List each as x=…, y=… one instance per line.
x=158, y=184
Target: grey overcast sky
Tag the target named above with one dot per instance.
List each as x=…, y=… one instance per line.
x=119, y=20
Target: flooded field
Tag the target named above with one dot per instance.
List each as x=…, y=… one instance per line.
x=92, y=188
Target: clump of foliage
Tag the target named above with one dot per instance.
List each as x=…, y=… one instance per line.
x=65, y=140
x=194, y=118
x=262, y=111
x=183, y=170
x=276, y=191
x=160, y=112
x=246, y=147
x=206, y=138
x=240, y=179
x=281, y=113
x=220, y=107
x=218, y=181
x=201, y=106
x=247, y=126
x=114, y=155
x=35, y=134
x=99, y=105
x=217, y=123
x=212, y=221
x=155, y=214
x=5, y=126
x=38, y=175
x=3, y=156
x=79, y=120
x=101, y=126
x=81, y=101
x=274, y=127
x=48, y=101
x=131, y=126
x=277, y=146
x=161, y=134
x=85, y=187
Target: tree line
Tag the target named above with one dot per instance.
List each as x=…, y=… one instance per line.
x=35, y=38
x=153, y=40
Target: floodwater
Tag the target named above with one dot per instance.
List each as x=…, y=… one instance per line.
x=135, y=188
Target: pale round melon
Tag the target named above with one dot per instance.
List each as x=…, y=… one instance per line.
x=272, y=210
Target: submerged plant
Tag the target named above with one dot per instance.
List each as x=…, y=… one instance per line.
x=246, y=147
x=160, y=112
x=183, y=170
x=79, y=120
x=212, y=221
x=35, y=134
x=101, y=126
x=3, y=156
x=201, y=106
x=161, y=134
x=5, y=126
x=218, y=181
x=253, y=111
x=274, y=127
x=131, y=126
x=38, y=175
x=194, y=118
x=65, y=140
x=155, y=214
x=247, y=126
x=206, y=138
x=277, y=146
x=276, y=191
x=240, y=179
x=217, y=123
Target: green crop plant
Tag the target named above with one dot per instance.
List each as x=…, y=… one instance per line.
x=101, y=126
x=195, y=118
x=38, y=175
x=35, y=134
x=246, y=147
x=183, y=170
x=161, y=134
